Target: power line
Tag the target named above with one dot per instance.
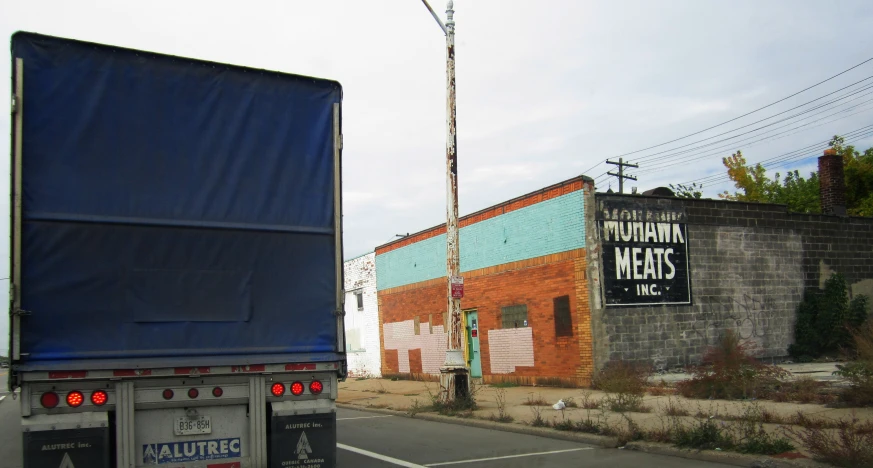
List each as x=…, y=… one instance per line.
x=672, y=160
x=649, y=157
x=741, y=116
x=779, y=160
x=854, y=135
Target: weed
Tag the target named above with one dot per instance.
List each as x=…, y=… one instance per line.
x=850, y=445
x=672, y=409
x=588, y=402
x=802, y=420
x=410, y=394
x=500, y=399
x=703, y=434
x=662, y=435
x=633, y=431
x=554, y=382
x=417, y=407
x=537, y=420
x=624, y=402
x=535, y=401
x=589, y=426
x=570, y=402
x=501, y=419
x=661, y=389
x=753, y=438
x=505, y=384
x=859, y=374
x=621, y=377
x=730, y=371
x=378, y=406
x=459, y=406
x=564, y=425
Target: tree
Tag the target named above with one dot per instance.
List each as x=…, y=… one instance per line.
x=801, y=195
x=858, y=170
x=688, y=191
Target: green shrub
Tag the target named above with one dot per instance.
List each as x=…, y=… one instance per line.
x=825, y=320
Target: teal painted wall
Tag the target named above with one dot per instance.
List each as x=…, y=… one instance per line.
x=553, y=226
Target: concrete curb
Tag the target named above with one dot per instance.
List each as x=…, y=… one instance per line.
x=591, y=439
x=727, y=458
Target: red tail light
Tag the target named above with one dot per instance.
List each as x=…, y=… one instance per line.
x=277, y=389
x=99, y=398
x=193, y=393
x=49, y=400
x=315, y=387
x=75, y=399
x=297, y=389
x=217, y=392
x=168, y=394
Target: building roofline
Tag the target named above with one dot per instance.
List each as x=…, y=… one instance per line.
x=581, y=178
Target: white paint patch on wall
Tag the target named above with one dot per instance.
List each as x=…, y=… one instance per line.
x=510, y=348
x=401, y=336
x=362, y=323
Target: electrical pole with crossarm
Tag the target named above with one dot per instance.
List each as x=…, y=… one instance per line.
x=621, y=165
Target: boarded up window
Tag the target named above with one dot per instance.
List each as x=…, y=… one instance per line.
x=563, y=321
x=514, y=316
x=417, y=324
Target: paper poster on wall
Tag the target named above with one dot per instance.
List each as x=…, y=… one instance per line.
x=645, y=252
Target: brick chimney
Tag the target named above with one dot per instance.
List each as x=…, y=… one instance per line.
x=832, y=183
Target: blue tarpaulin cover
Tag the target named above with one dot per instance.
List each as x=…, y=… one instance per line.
x=173, y=207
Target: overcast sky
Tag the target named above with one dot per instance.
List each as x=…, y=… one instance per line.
x=546, y=89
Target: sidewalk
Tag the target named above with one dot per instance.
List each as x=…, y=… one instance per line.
x=402, y=395
x=822, y=371
x=415, y=397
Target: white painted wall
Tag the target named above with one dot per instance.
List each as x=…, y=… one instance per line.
x=510, y=348
x=362, y=326
x=431, y=341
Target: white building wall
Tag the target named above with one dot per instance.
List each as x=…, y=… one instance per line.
x=362, y=326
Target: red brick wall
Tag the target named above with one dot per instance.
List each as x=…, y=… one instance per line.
x=536, y=283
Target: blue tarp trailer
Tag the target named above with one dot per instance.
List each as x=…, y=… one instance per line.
x=173, y=219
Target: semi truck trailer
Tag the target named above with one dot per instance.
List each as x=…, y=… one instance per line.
x=176, y=273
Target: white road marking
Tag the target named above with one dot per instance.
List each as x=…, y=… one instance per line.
x=365, y=417
x=377, y=456
x=509, y=456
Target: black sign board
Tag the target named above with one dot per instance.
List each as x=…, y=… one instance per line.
x=72, y=448
x=303, y=441
x=645, y=252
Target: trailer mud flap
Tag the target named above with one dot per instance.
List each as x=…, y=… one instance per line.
x=70, y=448
x=307, y=441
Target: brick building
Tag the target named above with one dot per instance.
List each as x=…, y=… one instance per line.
x=525, y=275
x=362, y=316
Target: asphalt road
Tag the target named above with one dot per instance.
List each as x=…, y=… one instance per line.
x=371, y=440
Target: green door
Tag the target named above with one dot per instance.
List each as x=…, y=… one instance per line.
x=473, y=360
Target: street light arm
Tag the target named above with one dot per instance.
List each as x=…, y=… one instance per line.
x=437, y=18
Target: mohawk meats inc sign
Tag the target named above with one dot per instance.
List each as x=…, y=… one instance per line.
x=645, y=252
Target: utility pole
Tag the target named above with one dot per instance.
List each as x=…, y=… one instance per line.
x=454, y=381
x=621, y=165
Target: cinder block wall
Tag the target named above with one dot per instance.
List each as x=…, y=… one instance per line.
x=749, y=265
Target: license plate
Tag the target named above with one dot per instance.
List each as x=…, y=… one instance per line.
x=188, y=426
